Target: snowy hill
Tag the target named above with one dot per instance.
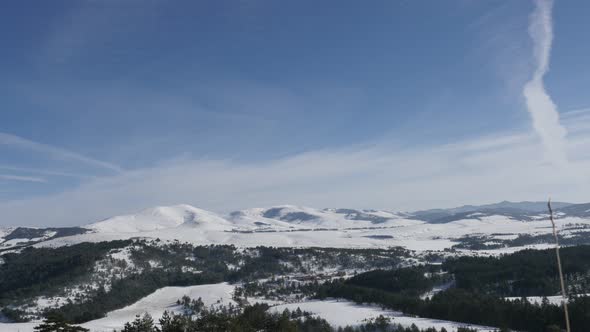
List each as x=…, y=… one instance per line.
x=161, y=217
x=16, y=237
x=5, y=231
x=289, y=216
x=489, y=227
x=164, y=238
x=514, y=210
x=221, y=294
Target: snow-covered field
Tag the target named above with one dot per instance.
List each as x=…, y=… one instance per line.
x=343, y=313
x=4, y=244
x=154, y=304
x=290, y=226
x=337, y=313
x=163, y=299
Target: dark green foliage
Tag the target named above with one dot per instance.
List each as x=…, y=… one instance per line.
x=128, y=290
x=56, y=323
x=276, y=288
x=39, y=270
x=481, y=284
x=524, y=273
x=46, y=271
x=31, y=236
x=140, y=324
x=267, y=261
x=13, y=315
x=257, y=318
x=230, y=319
x=191, y=307
x=483, y=242
x=29, y=233
x=407, y=280
x=469, y=307
x=174, y=255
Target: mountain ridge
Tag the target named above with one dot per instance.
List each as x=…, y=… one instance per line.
x=290, y=225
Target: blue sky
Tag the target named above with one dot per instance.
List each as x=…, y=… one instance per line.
x=112, y=106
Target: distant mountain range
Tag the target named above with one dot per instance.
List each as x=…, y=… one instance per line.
x=121, y=259
x=515, y=210
x=194, y=224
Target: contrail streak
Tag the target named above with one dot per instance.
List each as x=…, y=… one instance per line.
x=539, y=104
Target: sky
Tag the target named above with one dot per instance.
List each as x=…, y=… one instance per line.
x=112, y=106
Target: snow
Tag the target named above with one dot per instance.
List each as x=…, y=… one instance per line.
x=18, y=327
x=556, y=299
x=249, y=228
x=162, y=217
x=104, y=272
x=326, y=219
x=13, y=242
x=43, y=302
x=5, y=231
x=123, y=255
x=154, y=304
x=343, y=313
x=163, y=299
x=436, y=290
x=337, y=313
x=49, y=234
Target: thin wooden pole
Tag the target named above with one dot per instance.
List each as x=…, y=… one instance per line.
x=563, y=293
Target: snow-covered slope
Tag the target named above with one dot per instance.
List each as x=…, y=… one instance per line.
x=162, y=217
x=154, y=304
x=336, y=312
x=17, y=237
x=293, y=226
x=290, y=216
x=163, y=299
x=5, y=231
x=341, y=313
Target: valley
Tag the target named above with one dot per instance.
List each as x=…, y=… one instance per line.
x=103, y=274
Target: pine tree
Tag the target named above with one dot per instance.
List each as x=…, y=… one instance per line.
x=141, y=324
x=56, y=323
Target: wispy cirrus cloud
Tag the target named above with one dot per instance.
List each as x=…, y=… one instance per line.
x=54, y=151
x=377, y=175
x=45, y=172
x=11, y=177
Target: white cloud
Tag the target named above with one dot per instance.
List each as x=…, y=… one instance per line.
x=539, y=104
x=377, y=176
x=11, y=177
x=482, y=170
x=53, y=151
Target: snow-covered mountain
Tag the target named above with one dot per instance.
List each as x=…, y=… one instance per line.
x=487, y=227
x=162, y=217
x=525, y=211
x=487, y=230
x=16, y=237
x=290, y=216
x=5, y=231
